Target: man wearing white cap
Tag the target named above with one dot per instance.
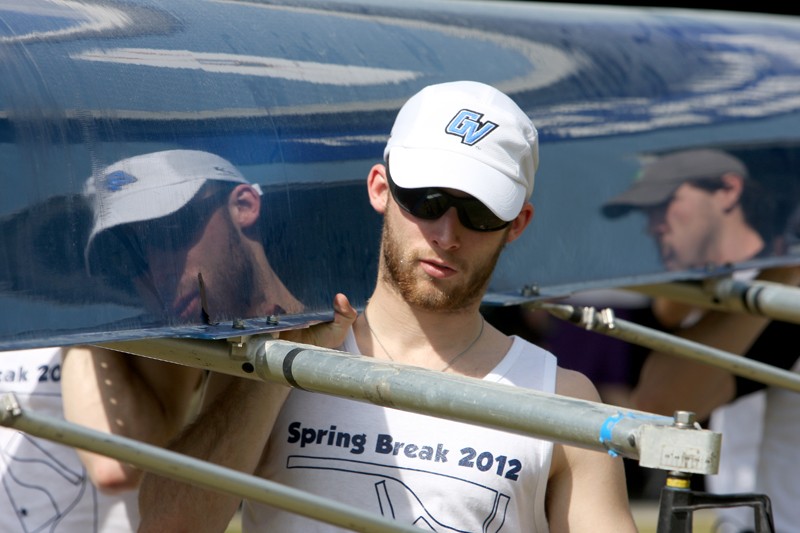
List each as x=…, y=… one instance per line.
x=460, y=165
x=162, y=219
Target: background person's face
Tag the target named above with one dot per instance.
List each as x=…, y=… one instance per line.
x=686, y=228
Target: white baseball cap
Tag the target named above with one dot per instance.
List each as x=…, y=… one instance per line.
x=468, y=136
x=151, y=186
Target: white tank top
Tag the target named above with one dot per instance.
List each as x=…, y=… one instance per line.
x=778, y=472
x=433, y=473
x=44, y=485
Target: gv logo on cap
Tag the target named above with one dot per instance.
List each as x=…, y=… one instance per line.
x=117, y=180
x=466, y=124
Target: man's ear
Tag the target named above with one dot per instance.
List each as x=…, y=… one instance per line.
x=732, y=187
x=519, y=224
x=244, y=204
x=378, y=188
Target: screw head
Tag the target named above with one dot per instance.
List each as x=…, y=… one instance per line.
x=684, y=418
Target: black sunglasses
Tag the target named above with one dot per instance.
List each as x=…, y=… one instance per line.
x=430, y=203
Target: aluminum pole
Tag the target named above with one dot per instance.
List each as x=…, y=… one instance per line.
x=764, y=298
x=605, y=322
x=552, y=417
x=194, y=471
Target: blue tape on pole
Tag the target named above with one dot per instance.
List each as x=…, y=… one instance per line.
x=607, y=427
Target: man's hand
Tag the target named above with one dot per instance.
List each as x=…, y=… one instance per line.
x=328, y=334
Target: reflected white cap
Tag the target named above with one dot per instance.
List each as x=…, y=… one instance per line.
x=151, y=186
x=468, y=136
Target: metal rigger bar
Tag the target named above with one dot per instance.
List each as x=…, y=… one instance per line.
x=656, y=441
x=605, y=322
x=765, y=298
x=557, y=418
x=195, y=471
x=762, y=298
x=768, y=299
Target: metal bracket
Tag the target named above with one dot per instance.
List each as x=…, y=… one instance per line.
x=680, y=447
x=239, y=347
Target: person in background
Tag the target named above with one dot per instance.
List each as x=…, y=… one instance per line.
x=182, y=225
x=704, y=209
x=45, y=485
x=453, y=192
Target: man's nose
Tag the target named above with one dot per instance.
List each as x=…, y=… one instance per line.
x=447, y=229
x=656, y=222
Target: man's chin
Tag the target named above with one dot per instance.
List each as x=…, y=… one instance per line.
x=443, y=300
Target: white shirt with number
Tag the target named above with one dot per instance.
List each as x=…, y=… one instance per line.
x=435, y=474
x=45, y=487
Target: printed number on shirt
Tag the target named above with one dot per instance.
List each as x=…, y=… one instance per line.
x=485, y=461
x=49, y=372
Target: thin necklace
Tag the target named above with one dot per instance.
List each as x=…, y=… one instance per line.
x=448, y=365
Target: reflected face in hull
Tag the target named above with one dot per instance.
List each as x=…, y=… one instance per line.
x=218, y=253
x=687, y=228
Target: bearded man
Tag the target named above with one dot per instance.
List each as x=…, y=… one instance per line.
x=454, y=191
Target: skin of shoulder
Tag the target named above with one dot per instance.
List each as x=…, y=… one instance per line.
x=586, y=489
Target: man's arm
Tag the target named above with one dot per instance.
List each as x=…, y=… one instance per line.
x=125, y=395
x=668, y=383
x=586, y=490
x=232, y=430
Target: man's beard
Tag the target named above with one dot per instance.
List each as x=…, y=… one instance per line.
x=425, y=294
x=237, y=293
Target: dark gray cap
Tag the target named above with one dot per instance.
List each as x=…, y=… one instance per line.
x=659, y=180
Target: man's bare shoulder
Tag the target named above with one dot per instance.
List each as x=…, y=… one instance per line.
x=576, y=385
